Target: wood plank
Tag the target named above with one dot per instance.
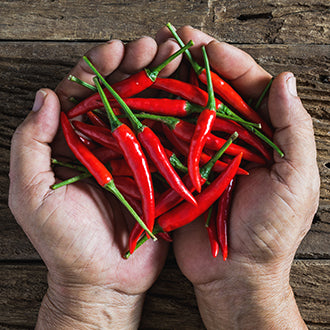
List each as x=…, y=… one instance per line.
x=28, y=66
x=280, y=22
x=169, y=303
x=286, y=21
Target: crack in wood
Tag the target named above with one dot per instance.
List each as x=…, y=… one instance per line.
x=247, y=17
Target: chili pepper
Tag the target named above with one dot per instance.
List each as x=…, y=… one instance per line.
x=105, y=154
x=212, y=230
x=127, y=186
x=130, y=86
x=95, y=119
x=229, y=126
x=101, y=135
x=170, y=198
x=185, y=131
x=135, y=158
x=88, y=143
x=185, y=212
x=94, y=166
x=223, y=217
x=193, y=79
x=152, y=145
x=224, y=89
x=183, y=147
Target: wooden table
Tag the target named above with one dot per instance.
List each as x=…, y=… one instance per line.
x=41, y=40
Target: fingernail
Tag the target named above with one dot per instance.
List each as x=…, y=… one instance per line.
x=39, y=100
x=292, y=86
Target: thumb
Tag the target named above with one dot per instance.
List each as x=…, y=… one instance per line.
x=293, y=134
x=30, y=168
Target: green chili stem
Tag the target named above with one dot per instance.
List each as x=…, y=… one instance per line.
x=71, y=180
x=206, y=169
x=177, y=164
x=209, y=214
x=157, y=229
x=263, y=94
x=211, y=100
x=82, y=83
x=114, y=121
x=69, y=165
x=153, y=73
x=197, y=68
x=110, y=186
x=138, y=126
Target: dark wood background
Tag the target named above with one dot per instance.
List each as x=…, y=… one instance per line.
x=41, y=40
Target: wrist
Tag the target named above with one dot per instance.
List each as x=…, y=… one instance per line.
x=89, y=307
x=249, y=301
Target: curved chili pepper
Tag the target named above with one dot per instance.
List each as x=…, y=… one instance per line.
x=228, y=126
x=222, y=218
x=130, y=86
x=185, y=212
x=94, y=166
x=152, y=145
x=134, y=156
x=223, y=89
x=95, y=119
x=105, y=154
x=170, y=198
x=127, y=186
x=212, y=230
x=183, y=147
x=101, y=135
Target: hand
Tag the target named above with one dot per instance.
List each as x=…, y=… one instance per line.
x=80, y=231
x=271, y=212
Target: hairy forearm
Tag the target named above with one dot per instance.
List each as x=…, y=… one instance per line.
x=248, y=306
x=89, y=308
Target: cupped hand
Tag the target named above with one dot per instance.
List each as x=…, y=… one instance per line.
x=81, y=231
x=272, y=208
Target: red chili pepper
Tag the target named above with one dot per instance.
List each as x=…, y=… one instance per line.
x=94, y=166
x=101, y=135
x=228, y=126
x=127, y=186
x=223, y=217
x=105, y=154
x=223, y=89
x=88, y=143
x=95, y=119
x=183, y=148
x=151, y=144
x=170, y=198
x=130, y=86
x=193, y=79
x=186, y=212
x=212, y=230
x=134, y=156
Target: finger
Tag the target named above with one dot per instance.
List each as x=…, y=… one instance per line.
x=138, y=55
x=162, y=35
x=231, y=63
x=293, y=134
x=165, y=50
x=31, y=174
x=106, y=58
x=243, y=73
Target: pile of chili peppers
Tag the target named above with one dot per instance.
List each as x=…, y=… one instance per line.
x=161, y=156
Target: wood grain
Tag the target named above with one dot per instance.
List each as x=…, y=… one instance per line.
x=170, y=303
x=303, y=22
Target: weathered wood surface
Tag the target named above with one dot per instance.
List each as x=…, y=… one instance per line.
x=305, y=22
x=39, y=43
x=171, y=298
